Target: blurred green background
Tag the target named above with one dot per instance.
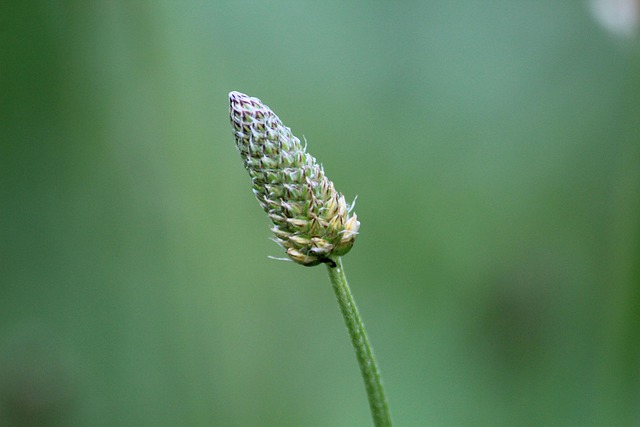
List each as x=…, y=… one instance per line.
x=495, y=151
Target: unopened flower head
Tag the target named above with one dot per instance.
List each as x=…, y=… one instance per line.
x=311, y=220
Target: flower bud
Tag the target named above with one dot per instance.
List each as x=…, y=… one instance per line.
x=311, y=220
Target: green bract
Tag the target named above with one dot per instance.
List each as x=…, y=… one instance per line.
x=312, y=221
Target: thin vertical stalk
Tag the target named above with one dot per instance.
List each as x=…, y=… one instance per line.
x=364, y=354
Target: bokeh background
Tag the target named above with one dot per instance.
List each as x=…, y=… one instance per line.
x=495, y=151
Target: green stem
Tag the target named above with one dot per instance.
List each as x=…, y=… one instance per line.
x=364, y=354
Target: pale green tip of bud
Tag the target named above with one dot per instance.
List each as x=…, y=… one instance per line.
x=311, y=220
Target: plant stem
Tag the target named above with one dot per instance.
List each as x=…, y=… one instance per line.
x=364, y=354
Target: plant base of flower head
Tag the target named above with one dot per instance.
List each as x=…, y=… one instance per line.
x=311, y=220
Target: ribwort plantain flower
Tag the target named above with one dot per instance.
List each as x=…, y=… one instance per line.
x=311, y=220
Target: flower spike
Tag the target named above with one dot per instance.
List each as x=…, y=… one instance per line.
x=311, y=220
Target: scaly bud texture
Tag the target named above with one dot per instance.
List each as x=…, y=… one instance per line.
x=311, y=220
